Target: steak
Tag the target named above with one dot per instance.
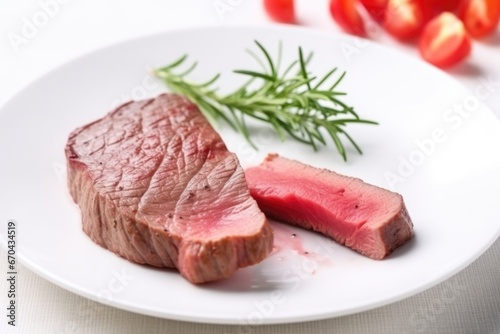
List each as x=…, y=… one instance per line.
x=366, y=218
x=156, y=185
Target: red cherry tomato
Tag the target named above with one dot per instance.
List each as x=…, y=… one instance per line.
x=347, y=16
x=280, y=10
x=480, y=17
x=376, y=8
x=444, y=41
x=439, y=6
x=405, y=19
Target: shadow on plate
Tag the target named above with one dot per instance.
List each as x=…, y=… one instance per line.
x=466, y=69
x=260, y=277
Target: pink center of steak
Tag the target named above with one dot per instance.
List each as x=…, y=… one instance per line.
x=160, y=172
x=366, y=218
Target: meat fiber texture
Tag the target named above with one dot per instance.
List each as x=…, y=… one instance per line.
x=368, y=219
x=156, y=185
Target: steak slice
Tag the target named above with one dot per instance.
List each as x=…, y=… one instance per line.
x=366, y=218
x=156, y=185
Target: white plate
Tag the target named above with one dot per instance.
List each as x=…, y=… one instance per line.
x=447, y=163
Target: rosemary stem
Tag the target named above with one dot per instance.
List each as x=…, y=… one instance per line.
x=302, y=105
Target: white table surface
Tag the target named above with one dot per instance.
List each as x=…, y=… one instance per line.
x=469, y=302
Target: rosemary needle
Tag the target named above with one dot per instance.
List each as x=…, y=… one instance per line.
x=298, y=104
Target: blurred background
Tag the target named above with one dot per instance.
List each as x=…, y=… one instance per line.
x=38, y=35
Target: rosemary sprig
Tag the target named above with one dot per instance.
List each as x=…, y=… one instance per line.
x=299, y=105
